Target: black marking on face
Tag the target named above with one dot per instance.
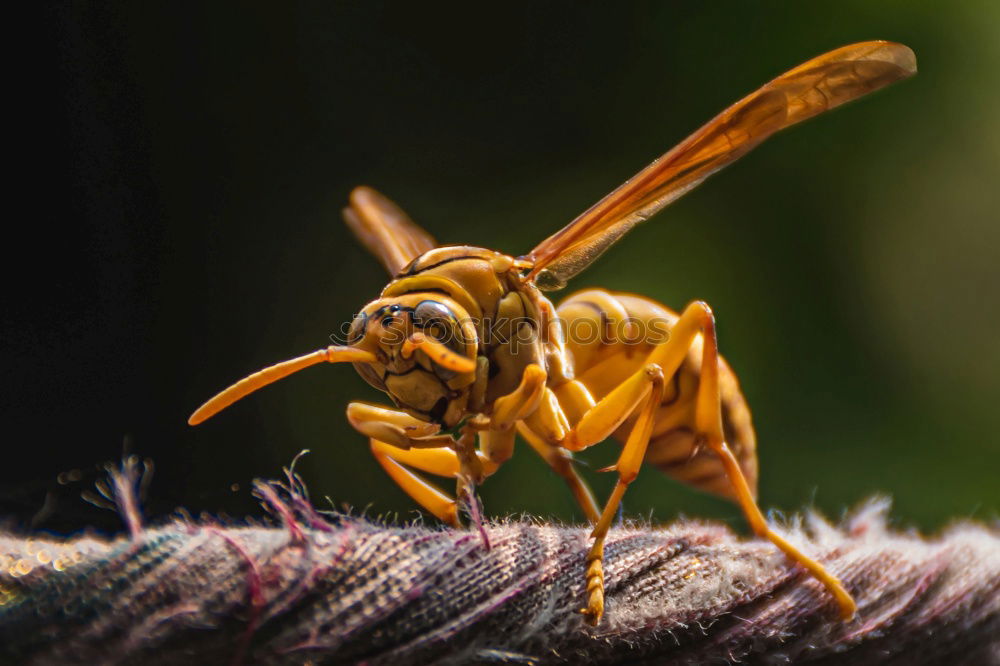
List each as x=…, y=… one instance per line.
x=389, y=373
x=387, y=314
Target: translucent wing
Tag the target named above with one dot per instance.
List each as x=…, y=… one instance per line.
x=818, y=85
x=385, y=229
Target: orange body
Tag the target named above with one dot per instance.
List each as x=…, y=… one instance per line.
x=471, y=352
x=589, y=345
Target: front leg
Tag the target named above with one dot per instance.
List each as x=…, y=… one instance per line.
x=395, y=427
x=496, y=431
x=412, y=443
x=400, y=441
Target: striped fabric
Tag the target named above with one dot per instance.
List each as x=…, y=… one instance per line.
x=342, y=590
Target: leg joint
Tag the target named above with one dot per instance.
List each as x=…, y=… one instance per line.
x=655, y=373
x=705, y=308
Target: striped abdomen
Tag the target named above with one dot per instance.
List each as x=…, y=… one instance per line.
x=609, y=336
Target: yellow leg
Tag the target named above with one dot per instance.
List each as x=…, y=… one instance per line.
x=496, y=445
x=395, y=427
x=425, y=494
x=414, y=443
x=602, y=419
x=440, y=461
x=642, y=391
x=561, y=462
x=522, y=401
x=708, y=421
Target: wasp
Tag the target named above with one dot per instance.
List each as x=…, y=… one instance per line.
x=471, y=352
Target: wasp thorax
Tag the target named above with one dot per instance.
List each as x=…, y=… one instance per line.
x=425, y=346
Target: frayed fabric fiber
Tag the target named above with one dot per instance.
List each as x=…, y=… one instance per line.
x=345, y=590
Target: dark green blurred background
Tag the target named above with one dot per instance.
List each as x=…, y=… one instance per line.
x=187, y=166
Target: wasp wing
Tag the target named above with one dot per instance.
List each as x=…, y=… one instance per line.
x=385, y=229
x=818, y=85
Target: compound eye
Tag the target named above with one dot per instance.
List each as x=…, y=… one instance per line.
x=435, y=319
x=357, y=329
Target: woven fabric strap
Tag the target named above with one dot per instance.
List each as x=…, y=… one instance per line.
x=346, y=590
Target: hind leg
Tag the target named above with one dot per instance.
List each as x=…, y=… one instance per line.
x=598, y=422
x=708, y=421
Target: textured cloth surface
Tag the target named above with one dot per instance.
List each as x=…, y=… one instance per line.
x=346, y=590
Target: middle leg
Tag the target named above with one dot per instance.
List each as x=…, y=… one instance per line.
x=561, y=462
x=641, y=392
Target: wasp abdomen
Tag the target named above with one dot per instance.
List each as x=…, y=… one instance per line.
x=609, y=336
